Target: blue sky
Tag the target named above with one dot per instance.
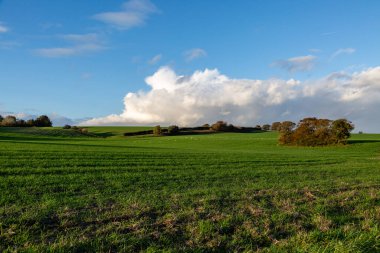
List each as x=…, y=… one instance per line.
x=79, y=59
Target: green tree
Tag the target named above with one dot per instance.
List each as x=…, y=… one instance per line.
x=30, y=123
x=173, y=129
x=157, y=131
x=265, y=127
x=20, y=123
x=43, y=121
x=341, y=129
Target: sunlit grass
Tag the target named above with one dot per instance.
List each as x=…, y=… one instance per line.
x=221, y=192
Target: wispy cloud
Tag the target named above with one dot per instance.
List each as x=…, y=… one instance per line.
x=81, y=38
x=9, y=44
x=3, y=28
x=86, y=75
x=194, y=53
x=133, y=13
x=342, y=51
x=80, y=44
x=328, y=33
x=49, y=25
x=315, y=50
x=57, y=52
x=297, y=64
x=155, y=59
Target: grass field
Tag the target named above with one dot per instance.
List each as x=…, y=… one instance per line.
x=205, y=193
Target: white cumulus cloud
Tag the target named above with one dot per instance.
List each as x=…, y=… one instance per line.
x=207, y=96
x=134, y=13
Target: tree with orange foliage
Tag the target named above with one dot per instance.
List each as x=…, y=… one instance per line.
x=315, y=132
x=286, y=130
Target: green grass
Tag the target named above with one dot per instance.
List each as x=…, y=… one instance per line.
x=201, y=193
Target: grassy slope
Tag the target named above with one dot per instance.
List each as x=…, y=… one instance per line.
x=187, y=193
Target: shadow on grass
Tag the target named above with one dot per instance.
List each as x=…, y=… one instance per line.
x=196, y=132
x=221, y=132
x=362, y=141
x=104, y=134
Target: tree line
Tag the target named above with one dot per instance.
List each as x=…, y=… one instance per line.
x=308, y=131
x=219, y=126
x=12, y=121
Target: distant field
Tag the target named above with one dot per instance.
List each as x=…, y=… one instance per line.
x=61, y=191
x=59, y=132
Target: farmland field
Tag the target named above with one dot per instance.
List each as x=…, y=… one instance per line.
x=61, y=191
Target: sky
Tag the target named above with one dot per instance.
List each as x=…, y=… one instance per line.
x=147, y=62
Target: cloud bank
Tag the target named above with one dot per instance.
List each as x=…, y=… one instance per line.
x=57, y=119
x=207, y=96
